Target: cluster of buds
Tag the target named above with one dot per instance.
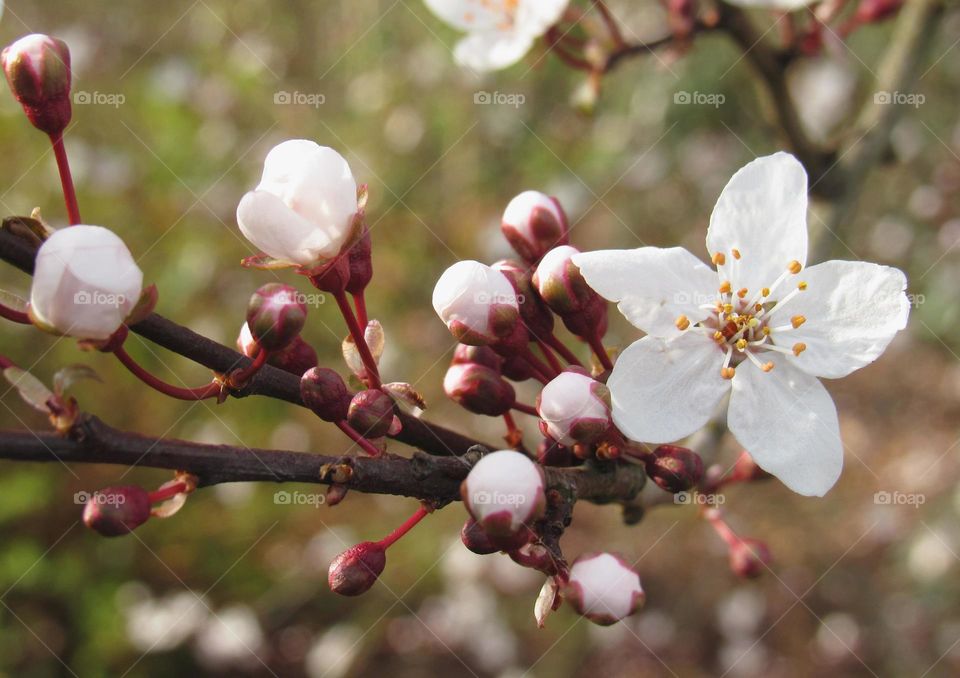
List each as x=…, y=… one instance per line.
x=562, y=287
x=474, y=381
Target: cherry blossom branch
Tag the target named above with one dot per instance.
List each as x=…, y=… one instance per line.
x=269, y=381
x=425, y=477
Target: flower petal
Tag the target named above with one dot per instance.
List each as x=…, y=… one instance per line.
x=852, y=309
x=467, y=15
x=269, y=224
x=761, y=213
x=536, y=16
x=492, y=50
x=662, y=390
x=653, y=286
x=787, y=421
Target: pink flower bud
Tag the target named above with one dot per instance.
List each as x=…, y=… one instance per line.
x=361, y=264
x=38, y=72
x=475, y=538
x=749, y=558
x=503, y=492
x=355, y=570
x=115, y=511
x=324, y=392
x=604, y=588
x=371, y=413
x=85, y=283
x=574, y=408
x=303, y=210
x=481, y=355
x=275, y=315
x=534, y=313
x=675, y=469
x=533, y=224
x=562, y=286
x=477, y=303
x=478, y=389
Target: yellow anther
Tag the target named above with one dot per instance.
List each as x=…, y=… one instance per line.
x=766, y=331
x=683, y=323
x=753, y=322
x=736, y=253
x=725, y=287
x=794, y=267
x=797, y=321
x=765, y=292
x=728, y=308
x=718, y=335
x=802, y=286
x=719, y=259
x=758, y=307
x=741, y=344
x=742, y=292
x=728, y=372
x=799, y=348
x=766, y=367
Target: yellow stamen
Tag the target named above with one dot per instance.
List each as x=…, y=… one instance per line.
x=728, y=372
x=766, y=331
x=736, y=253
x=718, y=335
x=728, y=308
x=719, y=259
x=797, y=321
x=758, y=307
x=802, y=286
x=794, y=267
x=742, y=292
x=799, y=348
x=683, y=323
x=753, y=322
x=766, y=367
x=725, y=287
x=741, y=344
x=765, y=292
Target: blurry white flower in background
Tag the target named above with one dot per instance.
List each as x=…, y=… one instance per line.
x=230, y=637
x=822, y=90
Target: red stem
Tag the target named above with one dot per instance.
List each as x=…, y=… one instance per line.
x=553, y=43
x=14, y=315
x=526, y=409
x=358, y=338
x=209, y=391
x=722, y=529
x=611, y=23
x=552, y=359
x=165, y=493
x=66, y=178
x=360, y=302
x=561, y=348
x=241, y=377
x=408, y=525
x=536, y=363
x=597, y=346
x=355, y=436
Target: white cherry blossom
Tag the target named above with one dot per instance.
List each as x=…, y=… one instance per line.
x=498, y=32
x=762, y=326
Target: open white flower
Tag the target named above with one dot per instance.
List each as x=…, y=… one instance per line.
x=85, y=283
x=499, y=32
x=302, y=212
x=767, y=327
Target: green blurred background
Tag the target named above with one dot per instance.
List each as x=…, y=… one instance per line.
x=236, y=584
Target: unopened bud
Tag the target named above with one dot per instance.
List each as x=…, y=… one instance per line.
x=296, y=357
x=534, y=313
x=481, y=355
x=560, y=283
x=275, y=315
x=503, y=492
x=476, y=539
x=38, y=72
x=574, y=408
x=749, y=558
x=324, y=392
x=604, y=588
x=115, y=511
x=675, y=469
x=371, y=413
x=356, y=570
x=477, y=303
x=478, y=389
x=533, y=224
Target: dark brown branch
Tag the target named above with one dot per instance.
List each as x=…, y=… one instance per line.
x=269, y=381
x=423, y=476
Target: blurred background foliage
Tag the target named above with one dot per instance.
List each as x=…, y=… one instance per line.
x=236, y=584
